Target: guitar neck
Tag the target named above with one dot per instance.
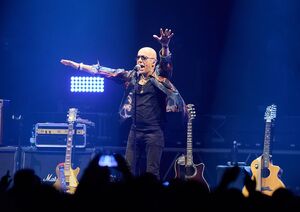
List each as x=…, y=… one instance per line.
x=267, y=144
x=189, y=148
x=69, y=147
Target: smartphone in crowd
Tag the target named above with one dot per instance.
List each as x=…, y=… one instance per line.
x=109, y=160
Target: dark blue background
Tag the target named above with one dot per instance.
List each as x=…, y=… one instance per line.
x=231, y=59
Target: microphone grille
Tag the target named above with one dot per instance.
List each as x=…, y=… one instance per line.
x=137, y=67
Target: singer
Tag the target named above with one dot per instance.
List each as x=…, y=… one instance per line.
x=148, y=96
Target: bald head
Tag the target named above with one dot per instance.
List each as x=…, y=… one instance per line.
x=149, y=52
x=147, y=59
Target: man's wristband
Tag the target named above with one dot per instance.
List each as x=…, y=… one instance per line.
x=80, y=67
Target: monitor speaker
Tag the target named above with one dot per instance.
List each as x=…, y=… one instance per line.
x=239, y=182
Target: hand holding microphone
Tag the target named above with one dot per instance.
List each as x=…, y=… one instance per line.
x=136, y=70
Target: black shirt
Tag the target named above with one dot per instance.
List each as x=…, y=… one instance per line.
x=151, y=106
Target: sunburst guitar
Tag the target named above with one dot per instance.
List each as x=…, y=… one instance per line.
x=184, y=165
x=66, y=176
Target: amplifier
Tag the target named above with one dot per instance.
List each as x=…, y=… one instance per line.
x=55, y=135
x=44, y=161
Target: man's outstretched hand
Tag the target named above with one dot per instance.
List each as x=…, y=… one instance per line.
x=70, y=63
x=165, y=37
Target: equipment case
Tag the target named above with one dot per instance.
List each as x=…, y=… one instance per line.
x=55, y=135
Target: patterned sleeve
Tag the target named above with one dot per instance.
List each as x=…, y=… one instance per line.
x=119, y=75
x=165, y=66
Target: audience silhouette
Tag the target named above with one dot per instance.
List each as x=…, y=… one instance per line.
x=100, y=189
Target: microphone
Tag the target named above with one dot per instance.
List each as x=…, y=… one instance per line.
x=137, y=68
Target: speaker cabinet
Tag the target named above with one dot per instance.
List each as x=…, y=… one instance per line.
x=44, y=162
x=239, y=182
x=4, y=121
x=9, y=160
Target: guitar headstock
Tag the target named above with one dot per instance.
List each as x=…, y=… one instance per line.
x=191, y=111
x=72, y=115
x=270, y=113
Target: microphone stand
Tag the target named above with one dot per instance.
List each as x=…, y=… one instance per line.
x=19, y=120
x=134, y=121
x=234, y=154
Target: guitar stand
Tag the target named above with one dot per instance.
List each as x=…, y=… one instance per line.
x=171, y=166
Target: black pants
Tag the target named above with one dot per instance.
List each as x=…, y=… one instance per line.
x=148, y=142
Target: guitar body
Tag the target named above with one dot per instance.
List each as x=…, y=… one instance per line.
x=67, y=182
x=267, y=179
x=192, y=172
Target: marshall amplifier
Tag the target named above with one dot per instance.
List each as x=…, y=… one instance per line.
x=44, y=161
x=55, y=135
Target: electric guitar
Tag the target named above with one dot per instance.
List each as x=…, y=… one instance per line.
x=184, y=165
x=66, y=176
x=266, y=175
